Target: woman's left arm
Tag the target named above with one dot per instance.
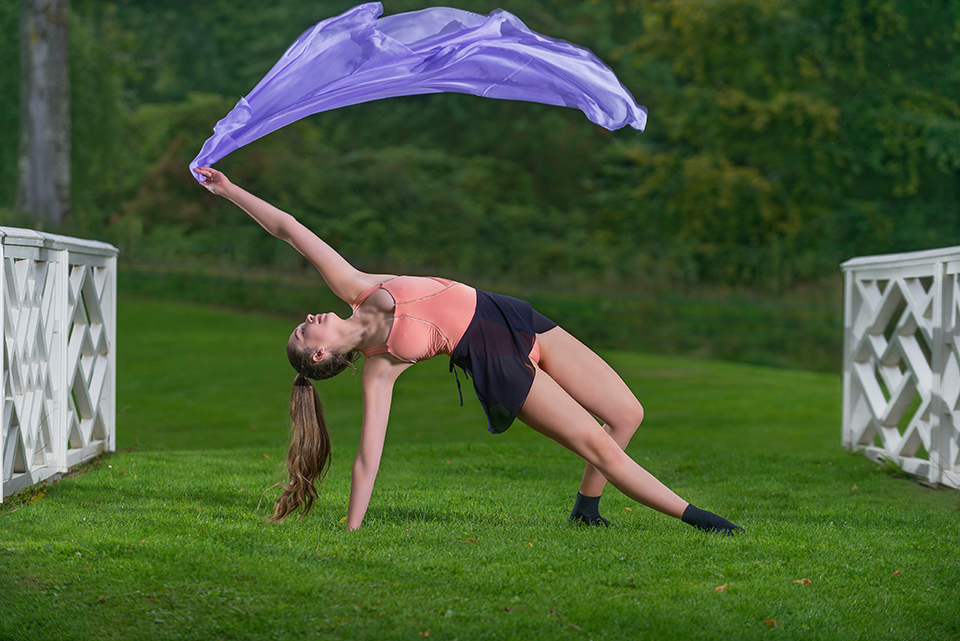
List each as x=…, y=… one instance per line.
x=379, y=375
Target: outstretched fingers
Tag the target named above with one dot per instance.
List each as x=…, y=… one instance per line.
x=214, y=181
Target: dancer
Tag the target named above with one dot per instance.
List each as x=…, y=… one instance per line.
x=522, y=364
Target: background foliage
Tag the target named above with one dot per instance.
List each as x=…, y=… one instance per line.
x=784, y=137
x=784, y=134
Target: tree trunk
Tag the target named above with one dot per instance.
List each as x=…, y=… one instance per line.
x=43, y=190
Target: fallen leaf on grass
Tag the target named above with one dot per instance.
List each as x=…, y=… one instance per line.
x=720, y=588
x=771, y=622
x=854, y=488
x=804, y=581
x=529, y=543
x=895, y=573
x=627, y=509
x=470, y=541
x=266, y=456
x=507, y=608
x=425, y=633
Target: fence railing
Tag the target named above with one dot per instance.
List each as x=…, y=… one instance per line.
x=59, y=354
x=901, y=365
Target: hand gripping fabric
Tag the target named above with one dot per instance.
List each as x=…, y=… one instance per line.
x=356, y=57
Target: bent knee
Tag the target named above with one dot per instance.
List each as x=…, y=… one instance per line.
x=629, y=418
x=602, y=451
x=637, y=415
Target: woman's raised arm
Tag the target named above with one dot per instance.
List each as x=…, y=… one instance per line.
x=346, y=281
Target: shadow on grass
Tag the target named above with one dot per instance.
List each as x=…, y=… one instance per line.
x=397, y=513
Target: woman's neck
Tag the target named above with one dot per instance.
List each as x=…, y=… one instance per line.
x=370, y=324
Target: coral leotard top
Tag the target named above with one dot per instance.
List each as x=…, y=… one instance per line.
x=430, y=316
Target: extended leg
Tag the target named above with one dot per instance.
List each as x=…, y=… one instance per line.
x=592, y=383
x=550, y=410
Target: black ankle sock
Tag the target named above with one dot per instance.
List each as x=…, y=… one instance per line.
x=708, y=521
x=587, y=510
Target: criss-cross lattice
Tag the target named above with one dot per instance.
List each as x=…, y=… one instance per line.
x=901, y=361
x=58, y=297
x=29, y=295
x=87, y=361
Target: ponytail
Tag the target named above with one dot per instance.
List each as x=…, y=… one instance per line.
x=309, y=455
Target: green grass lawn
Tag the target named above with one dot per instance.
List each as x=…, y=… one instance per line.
x=466, y=537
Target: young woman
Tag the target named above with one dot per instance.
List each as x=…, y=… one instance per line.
x=522, y=364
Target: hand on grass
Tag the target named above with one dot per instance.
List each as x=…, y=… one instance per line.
x=215, y=181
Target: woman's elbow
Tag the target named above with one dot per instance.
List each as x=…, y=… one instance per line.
x=284, y=229
x=365, y=465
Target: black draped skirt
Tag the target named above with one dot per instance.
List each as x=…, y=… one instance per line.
x=495, y=352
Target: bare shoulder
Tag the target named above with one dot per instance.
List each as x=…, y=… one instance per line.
x=369, y=280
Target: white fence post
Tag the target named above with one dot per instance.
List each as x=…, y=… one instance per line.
x=59, y=358
x=901, y=361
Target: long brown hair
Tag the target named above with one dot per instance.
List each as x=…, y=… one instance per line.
x=309, y=455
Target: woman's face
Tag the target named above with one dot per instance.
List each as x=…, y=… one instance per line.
x=317, y=333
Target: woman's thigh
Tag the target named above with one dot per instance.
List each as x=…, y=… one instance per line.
x=550, y=410
x=588, y=379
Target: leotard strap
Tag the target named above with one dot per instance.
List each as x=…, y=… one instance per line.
x=373, y=351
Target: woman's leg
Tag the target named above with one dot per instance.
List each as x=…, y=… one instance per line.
x=593, y=384
x=552, y=411
x=571, y=386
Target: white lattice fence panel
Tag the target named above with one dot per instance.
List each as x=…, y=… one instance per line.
x=29, y=369
x=58, y=384
x=901, y=364
x=88, y=362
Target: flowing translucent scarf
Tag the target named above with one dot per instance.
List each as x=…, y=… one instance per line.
x=356, y=57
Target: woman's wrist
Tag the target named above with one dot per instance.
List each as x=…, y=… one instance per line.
x=229, y=191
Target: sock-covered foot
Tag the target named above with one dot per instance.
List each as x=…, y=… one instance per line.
x=586, y=510
x=708, y=521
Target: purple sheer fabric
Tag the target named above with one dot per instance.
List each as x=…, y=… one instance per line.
x=355, y=58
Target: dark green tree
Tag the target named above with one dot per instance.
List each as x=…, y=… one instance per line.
x=786, y=136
